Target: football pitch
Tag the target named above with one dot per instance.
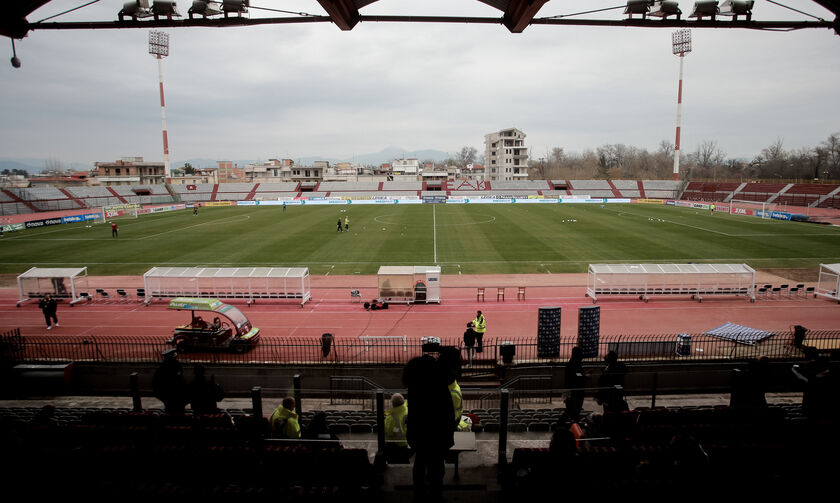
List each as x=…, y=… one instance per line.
x=461, y=238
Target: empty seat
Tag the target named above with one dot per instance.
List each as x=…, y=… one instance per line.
x=103, y=295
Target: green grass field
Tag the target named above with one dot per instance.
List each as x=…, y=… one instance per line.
x=470, y=239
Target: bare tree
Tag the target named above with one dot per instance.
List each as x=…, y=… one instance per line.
x=465, y=156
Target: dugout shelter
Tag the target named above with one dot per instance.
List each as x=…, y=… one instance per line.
x=696, y=280
x=247, y=283
x=829, y=282
x=409, y=284
x=60, y=282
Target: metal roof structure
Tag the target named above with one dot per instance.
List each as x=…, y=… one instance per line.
x=516, y=16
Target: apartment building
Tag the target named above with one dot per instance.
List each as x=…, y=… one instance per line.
x=129, y=171
x=505, y=155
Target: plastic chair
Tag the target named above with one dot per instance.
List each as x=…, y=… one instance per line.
x=520, y=295
x=103, y=295
x=123, y=295
x=500, y=294
x=479, y=295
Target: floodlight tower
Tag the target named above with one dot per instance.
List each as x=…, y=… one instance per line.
x=159, y=47
x=681, y=43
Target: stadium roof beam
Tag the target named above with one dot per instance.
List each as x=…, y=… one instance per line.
x=518, y=13
x=237, y=21
x=344, y=13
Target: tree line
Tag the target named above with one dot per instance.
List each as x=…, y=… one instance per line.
x=707, y=161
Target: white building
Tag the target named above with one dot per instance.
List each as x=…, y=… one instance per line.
x=505, y=155
x=405, y=167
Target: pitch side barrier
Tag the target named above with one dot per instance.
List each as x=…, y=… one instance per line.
x=450, y=200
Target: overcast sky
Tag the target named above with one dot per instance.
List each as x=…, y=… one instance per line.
x=314, y=90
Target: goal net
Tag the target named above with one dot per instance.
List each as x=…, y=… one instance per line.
x=750, y=208
x=120, y=211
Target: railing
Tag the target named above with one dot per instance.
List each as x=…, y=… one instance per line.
x=349, y=351
x=353, y=390
x=532, y=389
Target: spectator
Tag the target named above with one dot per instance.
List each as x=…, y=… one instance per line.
x=430, y=426
x=469, y=342
x=750, y=385
x=611, y=385
x=815, y=374
x=204, y=394
x=49, y=307
x=574, y=384
x=284, y=421
x=318, y=429
x=450, y=362
x=480, y=327
x=169, y=385
x=396, y=446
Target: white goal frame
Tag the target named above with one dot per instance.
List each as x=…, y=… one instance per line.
x=119, y=211
x=753, y=206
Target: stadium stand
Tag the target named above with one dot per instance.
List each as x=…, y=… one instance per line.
x=627, y=188
x=278, y=187
x=29, y=200
x=402, y=185
x=348, y=186
x=521, y=185
x=592, y=192
x=232, y=196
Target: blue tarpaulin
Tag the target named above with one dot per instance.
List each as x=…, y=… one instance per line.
x=739, y=333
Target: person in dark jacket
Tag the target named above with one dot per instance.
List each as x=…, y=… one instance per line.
x=204, y=395
x=574, y=383
x=169, y=385
x=318, y=428
x=469, y=342
x=49, y=308
x=430, y=425
x=611, y=385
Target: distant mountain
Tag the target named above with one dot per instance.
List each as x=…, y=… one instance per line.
x=387, y=154
x=37, y=165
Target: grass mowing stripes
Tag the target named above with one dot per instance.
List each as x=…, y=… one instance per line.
x=470, y=238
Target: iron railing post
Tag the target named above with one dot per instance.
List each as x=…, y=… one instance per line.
x=503, y=426
x=135, y=392
x=256, y=402
x=298, y=404
x=380, y=421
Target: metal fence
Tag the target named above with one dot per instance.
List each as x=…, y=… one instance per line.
x=348, y=351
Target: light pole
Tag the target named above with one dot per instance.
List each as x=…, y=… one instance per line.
x=159, y=47
x=681, y=44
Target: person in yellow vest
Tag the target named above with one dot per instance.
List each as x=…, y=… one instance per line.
x=396, y=446
x=450, y=359
x=284, y=421
x=479, y=326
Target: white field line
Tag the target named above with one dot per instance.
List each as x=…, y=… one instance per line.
x=679, y=260
x=727, y=234
x=109, y=238
x=434, y=231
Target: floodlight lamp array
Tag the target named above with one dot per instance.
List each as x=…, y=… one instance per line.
x=237, y=7
x=205, y=8
x=681, y=40
x=703, y=8
x=139, y=9
x=159, y=43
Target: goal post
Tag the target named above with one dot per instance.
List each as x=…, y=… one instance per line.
x=120, y=211
x=750, y=208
